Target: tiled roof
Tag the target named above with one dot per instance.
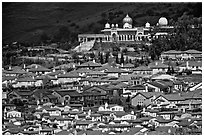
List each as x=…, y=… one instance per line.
x=68, y=92
x=149, y=94
x=142, y=68
x=45, y=77
x=16, y=71
x=192, y=51
x=157, y=64
x=129, y=65
x=69, y=75
x=5, y=78
x=136, y=87
x=132, y=131
x=89, y=64
x=172, y=52
x=114, y=70
x=58, y=72
x=173, y=97
x=26, y=79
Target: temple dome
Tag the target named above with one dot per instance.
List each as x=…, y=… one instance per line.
x=107, y=26
x=127, y=19
x=163, y=21
x=147, y=25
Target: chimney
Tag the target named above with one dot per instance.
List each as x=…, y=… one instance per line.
x=146, y=88
x=24, y=66
x=184, y=110
x=187, y=64
x=9, y=67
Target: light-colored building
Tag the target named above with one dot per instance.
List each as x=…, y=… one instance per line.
x=127, y=33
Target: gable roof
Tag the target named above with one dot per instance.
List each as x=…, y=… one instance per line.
x=148, y=95
x=172, y=97
x=142, y=68
x=65, y=92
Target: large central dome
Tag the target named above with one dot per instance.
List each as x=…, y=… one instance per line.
x=163, y=21
x=127, y=19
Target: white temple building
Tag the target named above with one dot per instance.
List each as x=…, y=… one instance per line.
x=128, y=33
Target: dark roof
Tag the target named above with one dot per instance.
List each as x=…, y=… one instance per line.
x=149, y=94
x=142, y=68
x=89, y=64
x=71, y=93
x=136, y=87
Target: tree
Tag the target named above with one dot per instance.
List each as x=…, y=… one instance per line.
x=122, y=59
x=101, y=59
x=117, y=59
x=169, y=70
x=107, y=57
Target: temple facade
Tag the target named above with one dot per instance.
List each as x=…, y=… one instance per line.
x=128, y=33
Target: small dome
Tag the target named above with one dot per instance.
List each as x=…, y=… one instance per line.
x=112, y=25
x=116, y=25
x=107, y=26
x=127, y=19
x=163, y=21
x=147, y=25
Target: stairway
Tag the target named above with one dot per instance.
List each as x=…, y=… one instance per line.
x=86, y=46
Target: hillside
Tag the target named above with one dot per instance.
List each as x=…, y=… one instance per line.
x=28, y=22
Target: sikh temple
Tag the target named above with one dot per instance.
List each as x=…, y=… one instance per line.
x=128, y=33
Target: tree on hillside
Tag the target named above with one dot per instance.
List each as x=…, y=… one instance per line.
x=101, y=59
x=107, y=57
x=117, y=59
x=122, y=59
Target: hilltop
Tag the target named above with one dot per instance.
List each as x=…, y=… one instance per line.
x=29, y=22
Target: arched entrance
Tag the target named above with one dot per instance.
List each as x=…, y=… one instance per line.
x=114, y=37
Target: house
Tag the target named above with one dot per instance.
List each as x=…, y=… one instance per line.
x=112, y=107
x=171, y=55
x=83, y=124
x=127, y=67
x=133, y=90
x=13, y=114
x=168, y=115
x=168, y=101
x=132, y=131
x=144, y=98
x=25, y=82
x=43, y=96
x=115, y=72
x=24, y=95
x=194, y=66
x=68, y=96
x=158, y=67
x=95, y=95
x=68, y=77
x=159, y=86
x=89, y=65
x=37, y=69
x=142, y=70
x=44, y=80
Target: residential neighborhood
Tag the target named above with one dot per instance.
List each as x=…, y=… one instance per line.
x=125, y=80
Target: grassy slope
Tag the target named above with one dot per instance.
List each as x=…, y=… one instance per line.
x=26, y=21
